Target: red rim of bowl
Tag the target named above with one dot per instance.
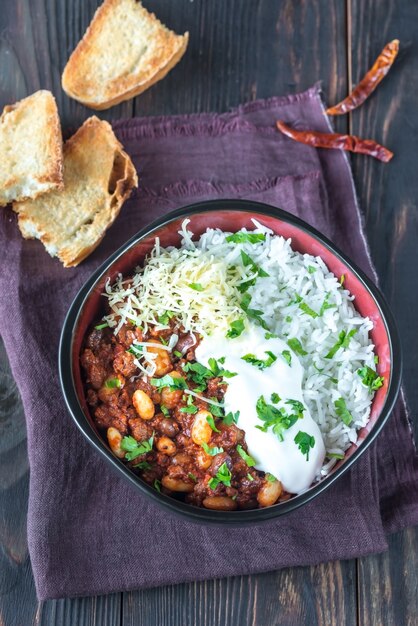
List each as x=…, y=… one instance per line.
x=231, y=215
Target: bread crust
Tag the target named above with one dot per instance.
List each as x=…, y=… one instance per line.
x=40, y=103
x=124, y=87
x=98, y=176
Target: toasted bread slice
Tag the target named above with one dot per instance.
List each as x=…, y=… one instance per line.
x=125, y=50
x=98, y=177
x=30, y=148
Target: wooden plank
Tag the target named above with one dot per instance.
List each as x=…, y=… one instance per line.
x=388, y=583
x=92, y=611
x=324, y=595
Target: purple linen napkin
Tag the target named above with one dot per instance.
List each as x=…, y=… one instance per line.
x=91, y=533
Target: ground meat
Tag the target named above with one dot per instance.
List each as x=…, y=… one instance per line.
x=124, y=363
x=112, y=378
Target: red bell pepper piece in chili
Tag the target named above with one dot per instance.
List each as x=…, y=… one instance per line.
x=369, y=82
x=337, y=141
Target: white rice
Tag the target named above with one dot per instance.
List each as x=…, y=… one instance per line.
x=291, y=276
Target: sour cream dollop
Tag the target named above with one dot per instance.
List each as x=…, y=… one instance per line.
x=283, y=459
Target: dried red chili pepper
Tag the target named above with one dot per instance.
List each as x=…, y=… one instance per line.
x=336, y=141
x=369, y=82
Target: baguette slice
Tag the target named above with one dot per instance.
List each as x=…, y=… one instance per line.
x=30, y=148
x=98, y=177
x=124, y=51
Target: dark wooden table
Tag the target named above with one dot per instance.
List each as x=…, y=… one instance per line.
x=241, y=50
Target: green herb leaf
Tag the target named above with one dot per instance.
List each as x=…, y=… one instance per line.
x=164, y=410
x=211, y=423
x=287, y=357
x=296, y=346
x=270, y=478
x=133, y=448
x=307, y=309
x=211, y=451
x=170, y=382
x=273, y=417
x=223, y=475
x=304, y=442
x=343, y=342
x=236, y=328
x=112, y=383
x=219, y=371
x=334, y=455
x=254, y=314
x=101, y=326
x=192, y=409
x=311, y=269
x=296, y=406
x=157, y=485
x=249, y=262
x=231, y=418
x=244, y=455
x=192, y=477
x=217, y=411
x=288, y=319
x=370, y=378
x=165, y=318
x=245, y=237
x=326, y=305
x=198, y=373
x=260, y=363
x=250, y=477
x=342, y=411
x=270, y=336
x=275, y=398
x=137, y=351
x=196, y=286
x=177, y=354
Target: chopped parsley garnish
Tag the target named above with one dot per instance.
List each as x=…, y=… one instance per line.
x=164, y=410
x=342, y=411
x=275, y=398
x=307, y=309
x=288, y=319
x=217, y=411
x=326, y=305
x=157, y=485
x=343, y=342
x=246, y=237
x=248, y=262
x=196, y=286
x=177, y=354
x=250, y=477
x=273, y=417
x=311, y=269
x=143, y=465
x=112, y=383
x=236, y=328
x=192, y=477
x=260, y=363
x=198, y=373
x=305, y=442
x=211, y=451
x=244, y=455
x=376, y=359
x=270, y=478
x=296, y=346
x=231, y=418
x=211, y=423
x=370, y=378
x=133, y=448
x=321, y=371
x=296, y=406
x=218, y=371
x=165, y=318
x=137, y=351
x=101, y=326
x=254, y=314
x=192, y=409
x=287, y=356
x=270, y=336
x=223, y=475
x=170, y=382
x=335, y=455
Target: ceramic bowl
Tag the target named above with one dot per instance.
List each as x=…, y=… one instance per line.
x=230, y=215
